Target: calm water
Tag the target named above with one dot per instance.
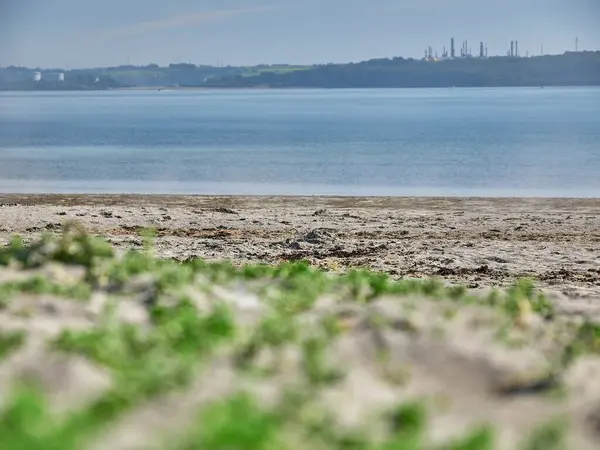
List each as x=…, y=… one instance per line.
x=350, y=142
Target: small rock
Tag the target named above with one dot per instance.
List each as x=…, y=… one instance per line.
x=483, y=269
x=319, y=236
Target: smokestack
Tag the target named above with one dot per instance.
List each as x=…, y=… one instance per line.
x=517, y=49
x=452, y=49
x=512, y=48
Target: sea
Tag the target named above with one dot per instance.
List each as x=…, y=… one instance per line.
x=507, y=142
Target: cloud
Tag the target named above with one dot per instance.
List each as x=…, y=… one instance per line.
x=182, y=21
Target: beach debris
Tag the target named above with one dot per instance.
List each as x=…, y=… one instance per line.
x=224, y=210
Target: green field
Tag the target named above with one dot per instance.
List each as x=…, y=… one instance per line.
x=254, y=71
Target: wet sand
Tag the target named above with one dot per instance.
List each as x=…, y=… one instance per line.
x=479, y=242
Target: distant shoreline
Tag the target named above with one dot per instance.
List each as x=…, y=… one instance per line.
x=567, y=69
x=290, y=88
x=260, y=201
x=304, y=88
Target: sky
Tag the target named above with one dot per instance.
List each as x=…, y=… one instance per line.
x=94, y=33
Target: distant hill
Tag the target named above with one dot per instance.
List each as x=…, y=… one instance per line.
x=151, y=75
x=569, y=69
x=184, y=75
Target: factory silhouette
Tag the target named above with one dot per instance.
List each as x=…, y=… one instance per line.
x=466, y=51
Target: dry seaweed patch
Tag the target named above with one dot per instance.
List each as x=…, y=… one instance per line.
x=208, y=233
x=106, y=351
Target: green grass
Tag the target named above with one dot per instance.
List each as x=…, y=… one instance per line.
x=183, y=335
x=40, y=285
x=10, y=342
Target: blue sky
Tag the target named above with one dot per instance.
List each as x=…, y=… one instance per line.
x=86, y=33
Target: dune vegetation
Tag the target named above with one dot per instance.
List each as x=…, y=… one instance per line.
x=107, y=350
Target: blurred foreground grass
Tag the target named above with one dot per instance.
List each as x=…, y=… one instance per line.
x=195, y=319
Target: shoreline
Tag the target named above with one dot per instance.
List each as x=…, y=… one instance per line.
x=279, y=88
x=478, y=242
x=27, y=199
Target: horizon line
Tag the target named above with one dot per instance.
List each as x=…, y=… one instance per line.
x=234, y=66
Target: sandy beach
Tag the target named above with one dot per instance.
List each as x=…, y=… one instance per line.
x=515, y=364
x=479, y=242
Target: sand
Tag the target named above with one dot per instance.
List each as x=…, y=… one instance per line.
x=477, y=242
x=481, y=243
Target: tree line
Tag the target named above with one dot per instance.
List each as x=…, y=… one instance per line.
x=569, y=69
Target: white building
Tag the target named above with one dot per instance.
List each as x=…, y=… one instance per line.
x=49, y=76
